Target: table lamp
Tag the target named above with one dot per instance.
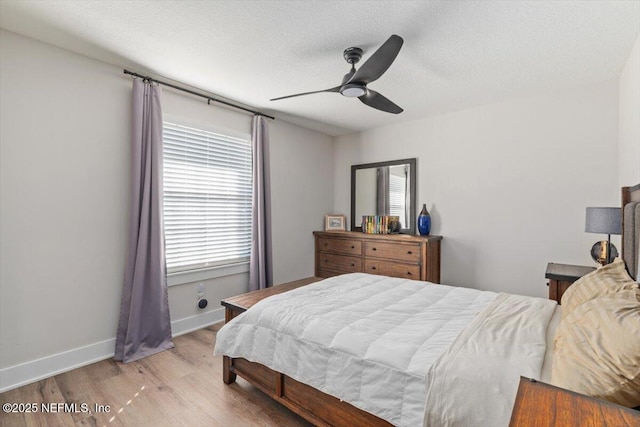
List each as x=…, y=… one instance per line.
x=603, y=221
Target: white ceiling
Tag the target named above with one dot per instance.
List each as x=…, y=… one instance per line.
x=456, y=54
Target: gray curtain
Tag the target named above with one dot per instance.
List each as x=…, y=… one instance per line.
x=261, y=265
x=144, y=327
x=382, y=191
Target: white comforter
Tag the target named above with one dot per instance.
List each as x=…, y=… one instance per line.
x=370, y=340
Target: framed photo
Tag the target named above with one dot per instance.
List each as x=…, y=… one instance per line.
x=335, y=222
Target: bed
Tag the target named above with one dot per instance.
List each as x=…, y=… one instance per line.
x=372, y=350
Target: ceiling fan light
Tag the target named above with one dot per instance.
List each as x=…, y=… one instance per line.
x=353, y=90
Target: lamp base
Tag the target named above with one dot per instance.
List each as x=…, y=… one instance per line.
x=599, y=252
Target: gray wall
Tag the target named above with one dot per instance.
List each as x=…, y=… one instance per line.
x=64, y=193
x=506, y=184
x=629, y=150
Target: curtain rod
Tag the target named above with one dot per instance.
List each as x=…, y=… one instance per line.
x=208, y=98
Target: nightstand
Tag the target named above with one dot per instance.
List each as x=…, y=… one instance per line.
x=543, y=405
x=561, y=276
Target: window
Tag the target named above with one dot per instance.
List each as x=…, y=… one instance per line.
x=207, y=198
x=398, y=189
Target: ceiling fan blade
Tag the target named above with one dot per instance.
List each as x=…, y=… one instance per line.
x=377, y=101
x=379, y=62
x=333, y=89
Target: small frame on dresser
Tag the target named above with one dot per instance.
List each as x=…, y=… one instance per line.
x=335, y=222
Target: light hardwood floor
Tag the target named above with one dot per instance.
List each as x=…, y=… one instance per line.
x=178, y=387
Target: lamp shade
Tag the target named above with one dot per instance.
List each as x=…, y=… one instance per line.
x=603, y=221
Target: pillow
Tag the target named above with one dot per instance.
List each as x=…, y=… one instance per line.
x=606, y=280
x=597, y=349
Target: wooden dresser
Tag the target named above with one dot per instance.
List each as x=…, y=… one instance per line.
x=396, y=255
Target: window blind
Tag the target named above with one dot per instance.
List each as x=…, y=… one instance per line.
x=207, y=198
x=397, y=195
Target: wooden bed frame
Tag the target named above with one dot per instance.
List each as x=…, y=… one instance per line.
x=315, y=406
x=630, y=194
x=311, y=404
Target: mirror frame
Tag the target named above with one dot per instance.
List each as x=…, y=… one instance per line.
x=412, y=191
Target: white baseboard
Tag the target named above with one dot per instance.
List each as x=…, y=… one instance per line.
x=199, y=321
x=39, y=369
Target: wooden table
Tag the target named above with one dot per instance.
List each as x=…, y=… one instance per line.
x=543, y=405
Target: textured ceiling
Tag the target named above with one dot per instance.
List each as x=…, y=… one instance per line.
x=456, y=54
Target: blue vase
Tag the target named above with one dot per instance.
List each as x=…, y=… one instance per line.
x=424, y=221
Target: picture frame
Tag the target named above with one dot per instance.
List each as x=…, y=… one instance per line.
x=335, y=222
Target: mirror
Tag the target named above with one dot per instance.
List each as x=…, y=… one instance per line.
x=384, y=188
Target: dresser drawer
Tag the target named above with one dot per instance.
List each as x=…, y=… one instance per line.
x=343, y=246
x=347, y=264
x=406, y=252
x=390, y=268
x=394, y=255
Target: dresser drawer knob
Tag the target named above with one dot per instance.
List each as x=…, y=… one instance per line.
x=326, y=260
x=353, y=247
x=374, y=249
x=352, y=264
x=408, y=273
x=409, y=252
x=373, y=268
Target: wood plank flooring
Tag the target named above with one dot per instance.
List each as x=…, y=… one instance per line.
x=178, y=387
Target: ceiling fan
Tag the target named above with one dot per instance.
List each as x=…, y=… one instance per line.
x=354, y=83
